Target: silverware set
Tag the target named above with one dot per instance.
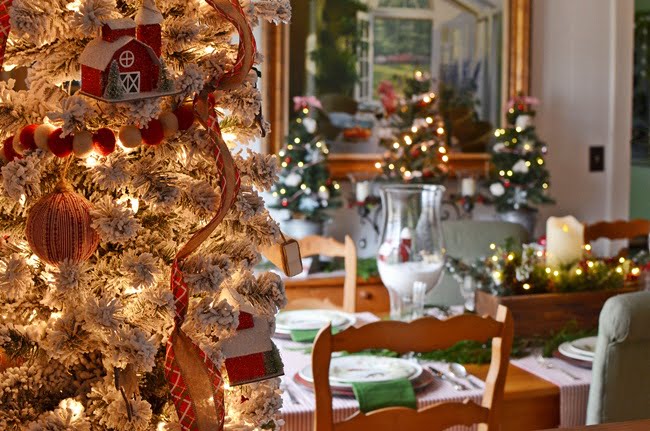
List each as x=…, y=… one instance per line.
x=541, y=360
x=459, y=381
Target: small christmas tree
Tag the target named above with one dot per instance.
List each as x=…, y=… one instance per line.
x=165, y=83
x=520, y=179
x=305, y=187
x=414, y=136
x=114, y=88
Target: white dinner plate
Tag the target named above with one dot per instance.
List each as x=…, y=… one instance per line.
x=585, y=346
x=297, y=320
x=366, y=368
x=568, y=351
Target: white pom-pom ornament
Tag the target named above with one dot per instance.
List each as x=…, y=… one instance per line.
x=130, y=137
x=169, y=123
x=41, y=135
x=82, y=144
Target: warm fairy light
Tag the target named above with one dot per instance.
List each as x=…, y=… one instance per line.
x=493, y=246
x=526, y=286
x=229, y=138
x=511, y=256
x=418, y=74
x=378, y=165
x=408, y=140
x=440, y=130
x=161, y=426
x=414, y=129
x=275, y=194
x=396, y=145
x=578, y=271
x=540, y=253
x=442, y=150
x=527, y=148
x=131, y=290
x=23, y=199
x=303, y=186
x=545, y=186
x=518, y=129
x=76, y=408
x=511, y=111
x=540, y=161
x=391, y=166
x=226, y=385
x=283, y=191
x=135, y=205
x=337, y=186
x=209, y=50
x=497, y=276
x=426, y=99
x=621, y=260
x=635, y=271
x=326, y=151
x=548, y=270
x=319, y=144
x=423, y=148
x=298, y=120
x=301, y=164
x=74, y=6
x=289, y=147
x=445, y=158
x=402, y=169
x=619, y=269
x=281, y=153
x=556, y=273
x=527, y=163
x=305, y=110
x=92, y=160
x=33, y=260
x=284, y=164
x=322, y=189
x=497, y=133
x=590, y=264
x=494, y=258
x=514, y=140
x=296, y=141
x=56, y=315
x=588, y=247
x=432, y=95
x=429, y=120
x=407, y=174
x=509, y=173
x=502, y=173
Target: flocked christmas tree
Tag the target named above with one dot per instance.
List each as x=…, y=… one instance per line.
x=305, y=186
x=414, y=134
x=97, y=204
x=520, y=179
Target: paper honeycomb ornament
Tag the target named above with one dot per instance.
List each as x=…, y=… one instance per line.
x=59, y=227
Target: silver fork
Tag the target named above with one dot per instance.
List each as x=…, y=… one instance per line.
x=454, y=383
x=288, y=390
x=550, y=366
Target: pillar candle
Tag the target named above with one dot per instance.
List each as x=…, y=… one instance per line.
x=564, y=240
x=362, y=190
x=468, y=187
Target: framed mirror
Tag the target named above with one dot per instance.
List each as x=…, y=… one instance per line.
x=342, y=50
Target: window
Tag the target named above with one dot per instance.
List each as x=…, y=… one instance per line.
x=127, y=59
x=130, y=82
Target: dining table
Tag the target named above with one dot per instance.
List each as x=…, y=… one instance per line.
x=640, y=425
x=532, y=399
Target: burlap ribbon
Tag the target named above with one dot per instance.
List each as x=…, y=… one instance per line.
x=196, y=384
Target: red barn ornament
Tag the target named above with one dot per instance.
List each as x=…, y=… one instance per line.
x=124, y=63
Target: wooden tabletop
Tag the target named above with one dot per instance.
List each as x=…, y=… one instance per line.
x=530, y=403
x=643, y=425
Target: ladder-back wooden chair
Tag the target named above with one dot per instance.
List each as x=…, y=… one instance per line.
x=421, y=335
x=615, y=230
x=318, y=245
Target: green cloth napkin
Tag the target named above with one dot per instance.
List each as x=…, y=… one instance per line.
x=307, y=335
x=377, y=395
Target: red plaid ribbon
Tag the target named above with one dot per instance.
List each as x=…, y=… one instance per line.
x=5, y=27
x=196, y=384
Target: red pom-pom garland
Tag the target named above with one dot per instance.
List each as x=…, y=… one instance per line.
x=185, y=115
x=104, y=141
x=8, y=151
x=60, y=146
x=153, y=134
x=26, y=137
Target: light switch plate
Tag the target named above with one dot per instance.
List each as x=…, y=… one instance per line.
x=596, y=159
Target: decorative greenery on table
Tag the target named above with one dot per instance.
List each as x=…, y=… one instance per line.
x=512, y=270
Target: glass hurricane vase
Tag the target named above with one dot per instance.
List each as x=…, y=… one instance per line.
x=411, y=247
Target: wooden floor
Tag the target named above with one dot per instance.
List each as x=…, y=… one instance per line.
x=530, y=403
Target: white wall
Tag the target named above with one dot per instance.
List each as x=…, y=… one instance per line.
x=582, y=72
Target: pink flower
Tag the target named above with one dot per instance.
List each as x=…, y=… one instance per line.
x=301, y=102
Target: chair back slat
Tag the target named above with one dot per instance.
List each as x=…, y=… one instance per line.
x=402, y=337
x=619, y=229
x=421, y=335
x=437, y=417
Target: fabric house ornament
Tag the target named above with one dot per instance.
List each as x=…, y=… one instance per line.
x=124, y=63
x=250, y=354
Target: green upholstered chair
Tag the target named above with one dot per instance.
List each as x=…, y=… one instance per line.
x=620, y=387
x=470, y=240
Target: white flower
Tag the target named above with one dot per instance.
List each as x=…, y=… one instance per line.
x=497, y=189
x=523, y=121
x=293, y=179
x=310, y=125
x=520, y=167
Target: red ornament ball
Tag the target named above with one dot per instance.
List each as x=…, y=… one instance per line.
x=153, y=134
x=26, y=137
x=60, y=146
x=285, y=203
x=185, y=115
x=104, y=141
x=59, y=227
x=8, y=152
